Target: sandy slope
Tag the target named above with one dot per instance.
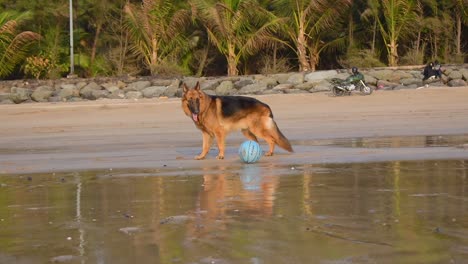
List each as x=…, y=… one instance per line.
x=156, y=134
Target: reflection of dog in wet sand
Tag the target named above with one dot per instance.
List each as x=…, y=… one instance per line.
x=216, y=116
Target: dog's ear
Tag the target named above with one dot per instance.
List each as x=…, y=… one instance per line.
x=185, y=88
x=197, y=86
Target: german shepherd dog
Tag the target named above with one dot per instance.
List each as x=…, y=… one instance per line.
x=216, y=116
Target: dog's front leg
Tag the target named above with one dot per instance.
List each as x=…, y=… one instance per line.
x=207, y=140
x=220, y=138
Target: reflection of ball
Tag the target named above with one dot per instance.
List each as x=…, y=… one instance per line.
x=250, y=151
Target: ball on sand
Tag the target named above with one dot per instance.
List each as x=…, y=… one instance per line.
x=250, y=151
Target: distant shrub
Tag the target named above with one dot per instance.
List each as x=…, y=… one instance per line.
x=362, y=59
x=37, y=67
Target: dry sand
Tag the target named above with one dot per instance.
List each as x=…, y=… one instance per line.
x=154, y=133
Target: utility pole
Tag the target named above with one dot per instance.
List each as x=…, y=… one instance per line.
x=72, y=63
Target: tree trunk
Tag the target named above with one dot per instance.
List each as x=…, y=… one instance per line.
x=393, y=55
x=374, y=34
x=302, y=49
x=154, y=55
x=232, y=62
x=459, y=32
x=94, y=47
x=350, y=31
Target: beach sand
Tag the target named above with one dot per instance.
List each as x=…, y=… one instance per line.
x=155, y=133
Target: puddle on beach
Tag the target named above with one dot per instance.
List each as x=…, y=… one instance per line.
x=394, y=142
x=389, y=212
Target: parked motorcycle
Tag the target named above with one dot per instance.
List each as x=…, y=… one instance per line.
x=342, y=87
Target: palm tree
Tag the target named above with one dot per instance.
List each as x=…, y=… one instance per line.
x=156, y=28
x=309, y=24
x=13, y=44
x=397, y=20
x=237, y=28
x=460, y=9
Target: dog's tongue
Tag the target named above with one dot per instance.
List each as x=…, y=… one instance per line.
x=195, y=117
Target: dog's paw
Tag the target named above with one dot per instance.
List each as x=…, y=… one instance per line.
x=269, y=154
x=220, y=157
x=199, y=157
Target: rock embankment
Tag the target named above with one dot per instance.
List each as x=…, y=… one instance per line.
x=76, y=89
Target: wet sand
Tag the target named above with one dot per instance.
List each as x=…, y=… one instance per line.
x=154, y=133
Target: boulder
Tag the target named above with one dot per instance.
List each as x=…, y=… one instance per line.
x=42, y=93
x=296, y=78
x=243, y=82
x=317, y=76
x=137, y=86
x=68, y=91
x=19, y=95
x=254, y=88
x=410, y=81
x=457, y=83
x=225, y=88
x=454, y=75
x=87, y=91
x=322, y=86
x=283, y=87
x=172, y=89
x=134, y=95
x=381, y=74
x=464, y=73
x=381, y=84
x=97, y=94
x=153, y=91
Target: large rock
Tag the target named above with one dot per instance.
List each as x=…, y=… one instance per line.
x=317, y=76
x=254, y=88
x=19, y=95
x=410, y=81
x=464, y=73
x=385, y=75
x=296, y=78
x=454, y=75
x=96, y=94
x=225, y=88
x=153, y=91
x=243, y=82
x=87, y=91
x=137, y=86
x=134, y=95
x=42, y=93
x=172, y=89
x=382, y=84
x=457, y=83
x=68, y=91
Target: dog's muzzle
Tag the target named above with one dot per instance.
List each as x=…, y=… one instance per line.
x=194, y=106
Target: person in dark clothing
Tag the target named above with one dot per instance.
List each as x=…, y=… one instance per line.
x=437, y=69
x=355, y=76
x=428, y=71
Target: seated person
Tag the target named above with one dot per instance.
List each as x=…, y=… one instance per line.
x=428, y=71
x=355, y=77
x=437, y=69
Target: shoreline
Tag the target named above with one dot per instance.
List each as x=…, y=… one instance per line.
x=155, y=134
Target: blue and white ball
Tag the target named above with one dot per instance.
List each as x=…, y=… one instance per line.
x=250, y=151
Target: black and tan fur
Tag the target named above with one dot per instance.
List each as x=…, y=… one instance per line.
x=216, y=116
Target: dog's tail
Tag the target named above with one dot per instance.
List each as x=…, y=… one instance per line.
x=280, y=139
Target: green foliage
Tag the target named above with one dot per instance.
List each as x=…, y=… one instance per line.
x=156, y=29
x=14, y=43
x=120, y=37
x=361, y=59
x=37, y=66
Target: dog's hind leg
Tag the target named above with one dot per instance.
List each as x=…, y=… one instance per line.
x=207, y=141
x=249, y=135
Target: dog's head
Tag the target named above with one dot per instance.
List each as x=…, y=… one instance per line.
x=192, y=100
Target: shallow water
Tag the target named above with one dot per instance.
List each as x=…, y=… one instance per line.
x=389, y=212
